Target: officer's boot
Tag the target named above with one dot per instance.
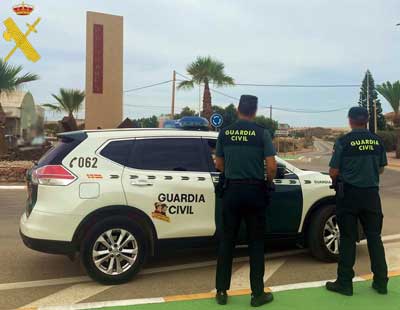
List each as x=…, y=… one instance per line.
x=380, y=288
x=221, y=297
x=339, y=288
x=257, y=301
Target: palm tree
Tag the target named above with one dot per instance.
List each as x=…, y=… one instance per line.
x=10, y=80
x=205, y=70
x=68, y=100
x=391, y=92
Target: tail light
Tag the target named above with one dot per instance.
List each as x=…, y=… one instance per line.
x=53, y=175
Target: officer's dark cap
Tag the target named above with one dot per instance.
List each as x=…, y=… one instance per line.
x=248, y=104
x=358, y=114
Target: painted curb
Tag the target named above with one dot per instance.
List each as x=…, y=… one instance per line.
x=141, y=301
x=12, y=187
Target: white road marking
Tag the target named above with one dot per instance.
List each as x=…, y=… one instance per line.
x=70, y=295
x=241, y=279
x=105, y=304
x=12, y=187
x=295, y=286
x=390, y=237
x=384, y=238
x=74, y=280
x=39, y=283
x=392, y=251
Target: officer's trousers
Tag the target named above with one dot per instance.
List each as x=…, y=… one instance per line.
x=247, y=202
x=362, y=204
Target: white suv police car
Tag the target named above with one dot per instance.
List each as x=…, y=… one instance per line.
x=116, y=196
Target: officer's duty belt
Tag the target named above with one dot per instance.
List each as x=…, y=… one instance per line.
x=246, y=181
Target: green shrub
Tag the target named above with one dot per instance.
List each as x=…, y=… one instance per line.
x=389, y=139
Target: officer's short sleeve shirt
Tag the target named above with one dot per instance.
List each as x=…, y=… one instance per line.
x=244, y=146
x=269, y=149
x=336, y=155
x=358, y=155
x=383, y=159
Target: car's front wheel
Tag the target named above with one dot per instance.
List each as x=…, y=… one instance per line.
x=113, y=251
x=324, y=235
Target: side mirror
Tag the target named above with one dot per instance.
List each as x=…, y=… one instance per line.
x=280, y=171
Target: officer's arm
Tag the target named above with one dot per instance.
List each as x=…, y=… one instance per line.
x=334, y=173
x=383, y=159
x=219, y=163
x=334, y=163
x=271, y=167
x=269, y=155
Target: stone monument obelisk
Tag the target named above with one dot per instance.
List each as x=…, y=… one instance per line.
x=104, y=71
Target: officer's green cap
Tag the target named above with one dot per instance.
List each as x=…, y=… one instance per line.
x=358, y=114
x=248, y=100
x=248, y=104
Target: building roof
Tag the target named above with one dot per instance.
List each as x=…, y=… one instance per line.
x=13, y=102
x=14, y=99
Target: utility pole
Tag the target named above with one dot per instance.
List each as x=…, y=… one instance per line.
x=173, y=95
x=270, y=112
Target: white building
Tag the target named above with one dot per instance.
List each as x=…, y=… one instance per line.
x=21, y=114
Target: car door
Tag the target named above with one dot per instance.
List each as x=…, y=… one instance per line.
x=285, y=210
x=168, y=179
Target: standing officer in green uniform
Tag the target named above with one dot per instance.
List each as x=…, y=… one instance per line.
x=358, y=159
x=244, y=154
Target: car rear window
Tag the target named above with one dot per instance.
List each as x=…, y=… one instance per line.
x=57, y=153
x=169, y=154
x=118, y=151
x=66, y=143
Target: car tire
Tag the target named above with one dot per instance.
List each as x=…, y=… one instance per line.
x=103, y=259
x=323, y=234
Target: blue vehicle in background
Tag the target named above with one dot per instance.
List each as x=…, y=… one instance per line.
x=188, y=123
x=171, y=123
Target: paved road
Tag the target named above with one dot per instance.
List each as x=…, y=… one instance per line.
x=29, y=278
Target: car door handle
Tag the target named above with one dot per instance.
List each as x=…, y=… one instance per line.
x=141, y=183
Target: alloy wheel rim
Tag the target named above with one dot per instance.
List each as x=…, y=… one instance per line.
x=115, y=251
x=331, y=235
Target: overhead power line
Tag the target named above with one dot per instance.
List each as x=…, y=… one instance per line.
x=251, y=85
x=147, y=86
x=223, y=94
x=182, y=75
x=285, y=85
x=299, y=85
x=307, y=111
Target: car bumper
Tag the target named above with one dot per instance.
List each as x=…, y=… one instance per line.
x=49, y=246
x=48, y=232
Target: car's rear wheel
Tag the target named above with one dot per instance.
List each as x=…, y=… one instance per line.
x=113, y=251
x=324, y=235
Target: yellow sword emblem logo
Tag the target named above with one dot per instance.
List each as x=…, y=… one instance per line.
x=21, y=42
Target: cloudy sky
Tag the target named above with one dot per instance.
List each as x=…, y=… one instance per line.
x=260, y=41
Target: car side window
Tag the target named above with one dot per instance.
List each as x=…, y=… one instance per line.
x=211, y=146
x=169, y=154
x=118, y=151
